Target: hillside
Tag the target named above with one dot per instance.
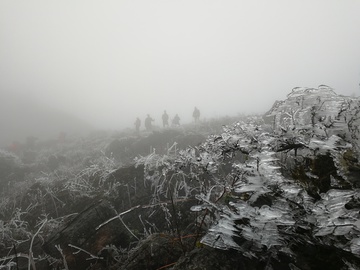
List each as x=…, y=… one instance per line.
x=21, y=117
x=278, y=191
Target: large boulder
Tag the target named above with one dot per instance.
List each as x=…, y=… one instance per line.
x=81, y=235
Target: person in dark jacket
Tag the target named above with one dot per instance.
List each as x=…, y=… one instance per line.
x=176, y=121
x=165, y=119
x=196, y=115
x=137, y=125
x=148, y=122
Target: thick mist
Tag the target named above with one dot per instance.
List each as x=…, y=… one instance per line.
x=109, y=62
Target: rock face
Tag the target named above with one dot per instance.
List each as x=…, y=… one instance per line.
x=85, y=246
x=81, y=233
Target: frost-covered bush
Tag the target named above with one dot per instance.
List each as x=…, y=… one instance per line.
x=269, y=193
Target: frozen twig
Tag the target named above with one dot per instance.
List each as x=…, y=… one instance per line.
x=119, y=215
x=128, y=228
x=63, y=256
x=138, y=206
x=31, y=258
x=92, y=257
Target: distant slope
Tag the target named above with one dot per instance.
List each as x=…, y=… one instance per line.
x=21, y=117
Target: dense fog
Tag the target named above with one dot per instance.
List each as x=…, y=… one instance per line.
x=179, y=134
x=107, y=63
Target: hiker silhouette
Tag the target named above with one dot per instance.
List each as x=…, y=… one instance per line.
x=176, y=121
x=148, y=124
x=196, y=114
x=137, y=125
x=165, y=119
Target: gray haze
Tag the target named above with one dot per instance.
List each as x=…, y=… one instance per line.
x=108, y=62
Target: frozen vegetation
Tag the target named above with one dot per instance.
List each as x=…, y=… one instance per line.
x=278, y=191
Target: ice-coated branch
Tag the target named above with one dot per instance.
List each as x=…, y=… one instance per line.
x=92, y=257
x=31, y=258
x=63, y=256
x=117, y=216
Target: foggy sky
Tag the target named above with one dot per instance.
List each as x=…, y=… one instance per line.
x=111, y=61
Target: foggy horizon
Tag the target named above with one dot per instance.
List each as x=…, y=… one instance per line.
x=110, y=62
